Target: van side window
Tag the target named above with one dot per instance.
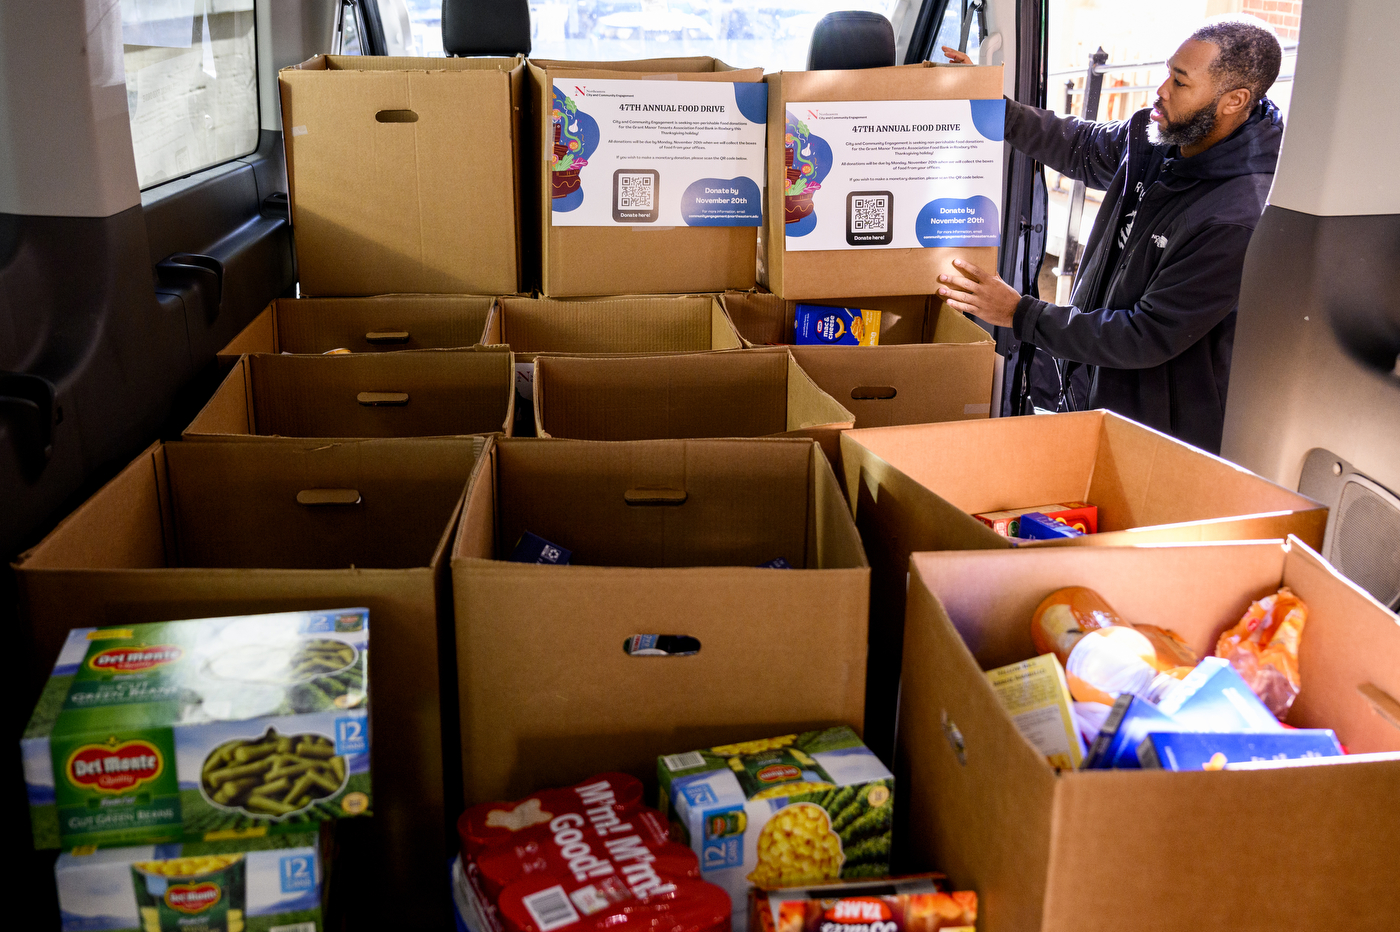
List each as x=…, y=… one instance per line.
x=191, y=84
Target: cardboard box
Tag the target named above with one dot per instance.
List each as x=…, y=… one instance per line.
x=385, y=323
x=403, y=173
x=799, y=275
x=412, y=394
x=667, y=537
x=987, y=808
x=193, y=530
x=917, y=488
x=823, y=790
x=932, y=364
x=638, y=259
x=154, y=732
x=222, y=886
x=623, y=324
x=757, y=393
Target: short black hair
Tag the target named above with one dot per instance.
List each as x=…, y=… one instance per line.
x=1250, y=55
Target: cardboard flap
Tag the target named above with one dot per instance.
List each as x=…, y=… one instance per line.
x=408, y=63
x=808, y=406
x=363, y=325
x=260, y=336
x=627, y=324
x=236, y=505
x=697, y=68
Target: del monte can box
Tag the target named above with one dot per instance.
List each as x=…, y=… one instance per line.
x=254, y=884
x=781, y=812
x=205, y=728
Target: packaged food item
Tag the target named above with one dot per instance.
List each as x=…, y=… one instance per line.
x=1213, y=697
x=1263, y=649
x=1036, y=696
x=661, y=645
x=158, y=732
x=1127, y=726
x=913, y=904
x=602, y=797
x=531, y=548
x=1081, y=516
x=814, y=324
x=778, y=563
x=271, y=881
x=587, y=857
x=778, y=812
x=1215, y=751
x=1103, y=656
x=1036, y=526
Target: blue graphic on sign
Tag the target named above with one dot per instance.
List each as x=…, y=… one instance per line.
x=752, y=100
x=351, y=736
x=808, y=159
x=989, y=116
x=575, y=139
x=296, y=872
x=715, y=202
x=951, y=221
x=699, y=794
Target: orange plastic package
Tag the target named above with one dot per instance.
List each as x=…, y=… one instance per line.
x=1263, y=649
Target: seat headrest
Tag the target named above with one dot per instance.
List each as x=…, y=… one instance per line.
x=851, y=39
x=486, y=27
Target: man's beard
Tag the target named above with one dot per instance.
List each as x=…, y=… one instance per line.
x=1187, y=132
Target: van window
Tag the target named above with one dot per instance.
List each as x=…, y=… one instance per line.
x=191, y=84
x=770, y=34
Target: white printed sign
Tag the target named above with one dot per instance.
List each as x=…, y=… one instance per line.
x=892, y=174
x=669, y=153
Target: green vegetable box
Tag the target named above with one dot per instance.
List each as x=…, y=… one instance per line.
x=256, y=724
x=274, y=882
x=781, y=812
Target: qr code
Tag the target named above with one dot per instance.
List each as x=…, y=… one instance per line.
x=870, y=214
x=636, y=191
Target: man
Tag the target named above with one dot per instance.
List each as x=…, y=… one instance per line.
x=1153, y=306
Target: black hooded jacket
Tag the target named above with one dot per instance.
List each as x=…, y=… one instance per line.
x=1161, y=336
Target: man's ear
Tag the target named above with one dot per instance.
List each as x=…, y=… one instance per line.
x=1234, y=102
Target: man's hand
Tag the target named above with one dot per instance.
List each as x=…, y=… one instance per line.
x=981, y=293
x=956, y=57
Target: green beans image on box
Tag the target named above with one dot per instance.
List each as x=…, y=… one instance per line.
x=153, y=732
x=813, y=807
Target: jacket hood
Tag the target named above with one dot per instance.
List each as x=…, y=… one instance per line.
x=1250, y=150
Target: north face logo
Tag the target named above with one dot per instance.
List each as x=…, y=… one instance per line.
x=1159, y=241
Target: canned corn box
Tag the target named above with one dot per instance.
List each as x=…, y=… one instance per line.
x=201, y=729
x=261, y=884
x=781, y=812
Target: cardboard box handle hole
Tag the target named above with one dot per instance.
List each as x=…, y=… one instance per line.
x=661, y=645
x=382, y=399
x=396, y=116
x=318, y=497
x=1382, y=703
x=655, y=498
x=381, y=337
x=872, y=392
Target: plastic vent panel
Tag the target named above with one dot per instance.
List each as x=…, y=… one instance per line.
x=1365, y=542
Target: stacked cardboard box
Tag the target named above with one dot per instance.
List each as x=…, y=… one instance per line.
x=420, y=393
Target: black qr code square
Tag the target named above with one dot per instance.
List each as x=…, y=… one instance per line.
x=636, y=191
x=870, y=214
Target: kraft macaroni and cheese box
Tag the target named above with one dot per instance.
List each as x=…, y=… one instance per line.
x=835, y=326
x=269, y=882
x=1213, y=697
x=195, y=729
x=1214, y=751
x=777, y=812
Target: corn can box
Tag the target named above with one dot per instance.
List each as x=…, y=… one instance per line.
x=912, y=904
x=781, y=812
x=259, y=884
x=188, y=729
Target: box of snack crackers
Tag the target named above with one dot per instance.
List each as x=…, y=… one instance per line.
x=158, y=732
